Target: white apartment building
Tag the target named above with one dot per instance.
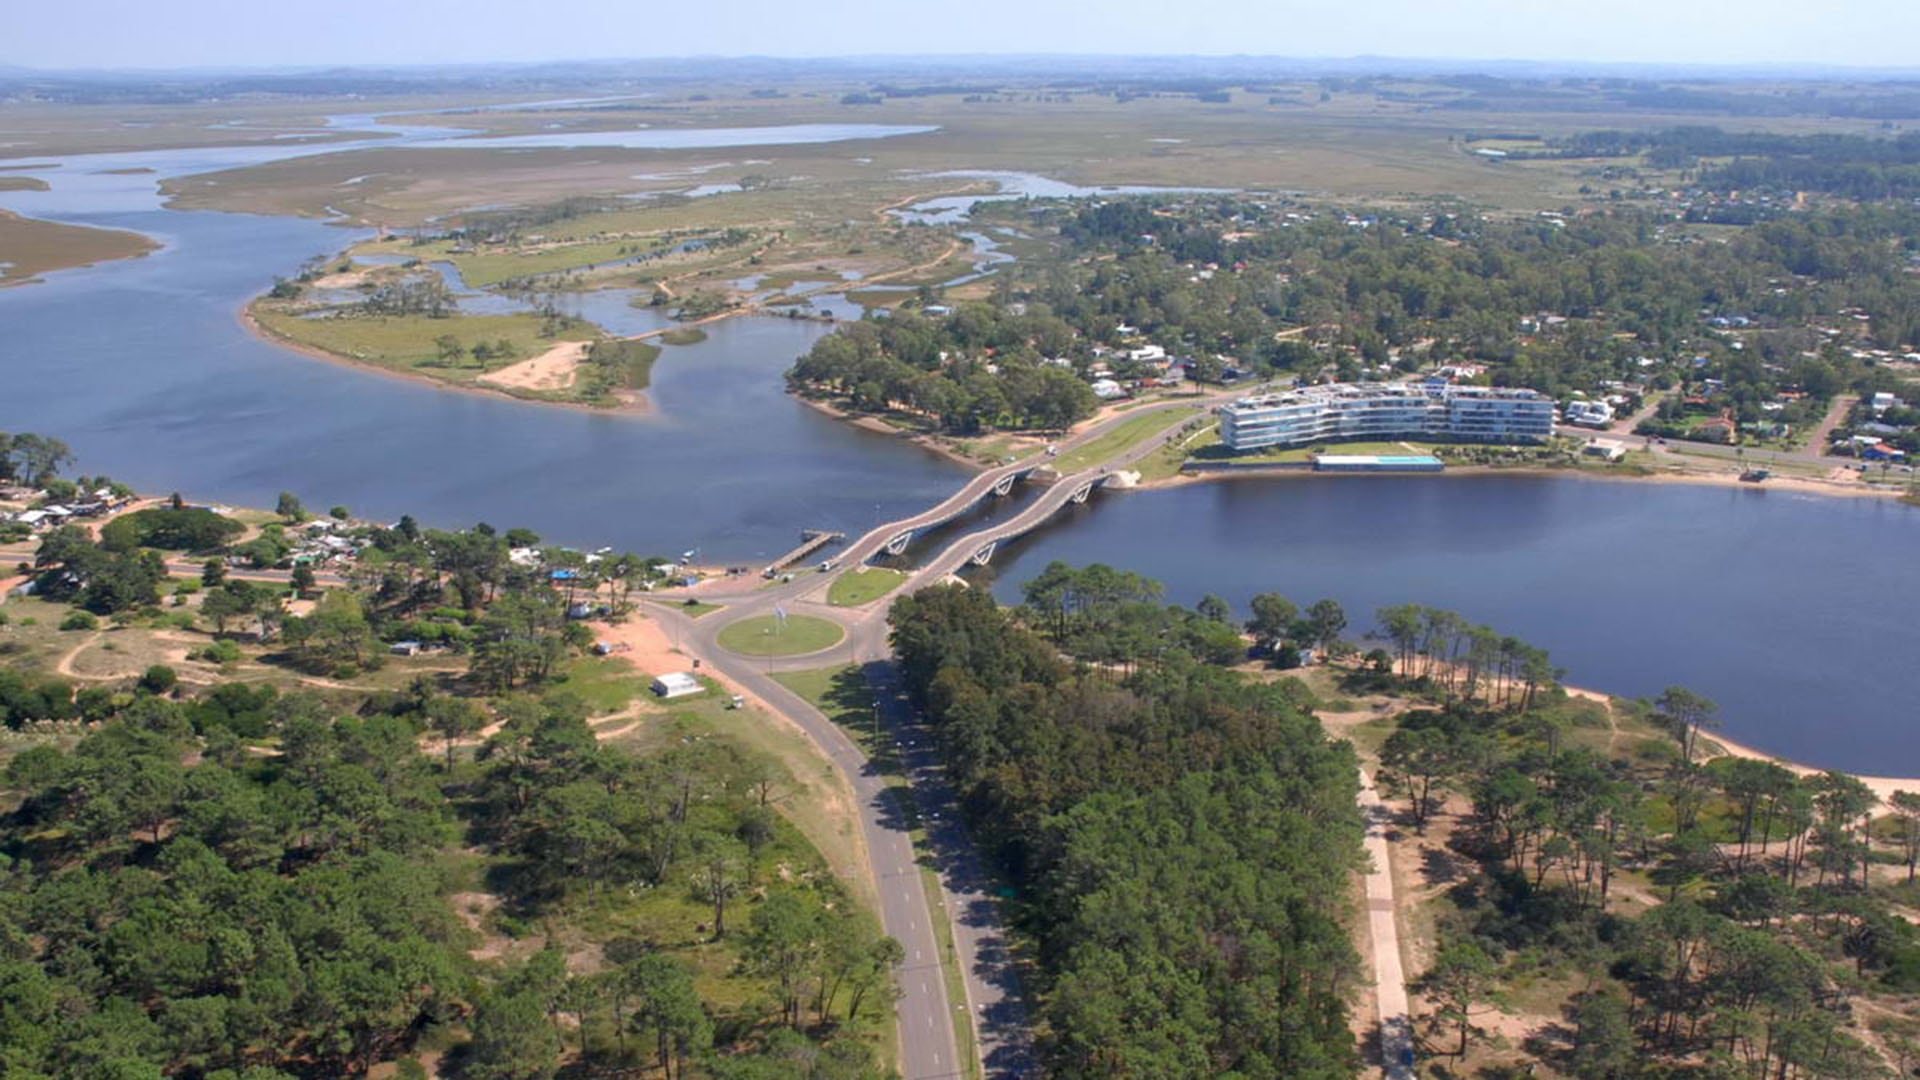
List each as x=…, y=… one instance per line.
x=1356, y=412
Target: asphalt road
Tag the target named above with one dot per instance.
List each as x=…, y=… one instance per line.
x=925, y=1013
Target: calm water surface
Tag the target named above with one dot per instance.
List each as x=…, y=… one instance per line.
x=143, y=367
x=1794, y=612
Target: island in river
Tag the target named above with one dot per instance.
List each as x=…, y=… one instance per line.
x=30, y=247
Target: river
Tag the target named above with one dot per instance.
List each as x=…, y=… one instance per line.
x=142, y=366
x=1794, y=612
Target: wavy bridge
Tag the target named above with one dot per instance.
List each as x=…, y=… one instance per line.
x=896, y=538
x=977, y=548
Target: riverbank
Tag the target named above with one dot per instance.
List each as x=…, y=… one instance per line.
x=631, y=402
x=1797, y=485
x=931, y=443
x=1882, y=786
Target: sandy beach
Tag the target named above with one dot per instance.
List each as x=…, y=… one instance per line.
x=556, y=369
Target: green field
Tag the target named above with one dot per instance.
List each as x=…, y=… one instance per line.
x=762, y=636
x=407, y=343
x=857, y=587
x=1214, y=450
x=1118, y=441
x=606, y=683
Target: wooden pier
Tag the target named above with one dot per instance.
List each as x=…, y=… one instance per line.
x=811, y=540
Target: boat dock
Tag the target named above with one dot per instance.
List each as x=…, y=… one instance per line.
x=811, y=540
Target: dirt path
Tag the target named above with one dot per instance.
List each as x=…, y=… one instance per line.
x=64, y=667
x=953, y=248
x=1842, y=404
x=556, y=369
x=1389, y=975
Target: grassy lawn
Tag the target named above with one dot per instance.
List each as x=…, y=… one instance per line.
x=685, y=335
x=857, y=587
x=693, y=609
x=637, y=357
x=1168, y=460
x=1129, y=434
x=761, y=635
x=812, y=839
x=1214, y=450
x=844, y=694
x=407, y=343
x=606, y=683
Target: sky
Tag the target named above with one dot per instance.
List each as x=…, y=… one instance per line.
x=263, y=33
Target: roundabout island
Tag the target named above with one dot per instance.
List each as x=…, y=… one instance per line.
x=772, y=635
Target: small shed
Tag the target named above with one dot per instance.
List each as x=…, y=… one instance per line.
x=676, y=684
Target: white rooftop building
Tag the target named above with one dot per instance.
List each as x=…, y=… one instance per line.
x=1352, y=412
x=676, y=684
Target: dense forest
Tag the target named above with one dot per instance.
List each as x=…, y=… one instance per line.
x=1181, y=840
x=1562, y=305
x=295, y=865
x=176, y=902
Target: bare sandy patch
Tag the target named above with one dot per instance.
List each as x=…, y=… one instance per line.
x=644, y=642
x=555, y=369
x=350, y=279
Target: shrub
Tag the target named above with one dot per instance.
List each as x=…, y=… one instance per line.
x=80, y=620
x=221, y=652
x=159, y=679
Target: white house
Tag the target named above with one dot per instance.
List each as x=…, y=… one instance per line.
x=1107, y=389
x=676, y=684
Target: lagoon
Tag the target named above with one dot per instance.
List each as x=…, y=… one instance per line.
x=1793, y=611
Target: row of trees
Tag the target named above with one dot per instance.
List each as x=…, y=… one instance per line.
x=1148, y=821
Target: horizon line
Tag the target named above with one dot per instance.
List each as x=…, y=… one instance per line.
x=1451, y=65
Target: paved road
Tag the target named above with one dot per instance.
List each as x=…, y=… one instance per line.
x=924, y=1014
x=993, y=1004
x=1389, y=979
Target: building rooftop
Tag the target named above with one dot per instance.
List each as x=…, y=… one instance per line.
x=1338, y=392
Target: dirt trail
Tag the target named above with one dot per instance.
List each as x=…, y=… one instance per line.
x=64, y=667
x=1842, y=404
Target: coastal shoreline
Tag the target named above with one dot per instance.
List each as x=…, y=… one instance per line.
x=929, y=443
x=633, y=403
x=1796, y=485
x=1882, y=786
